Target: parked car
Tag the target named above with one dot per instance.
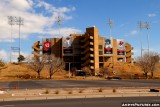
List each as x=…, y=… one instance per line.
x=82, y=73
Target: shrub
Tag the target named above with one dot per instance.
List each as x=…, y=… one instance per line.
x=114, y=90
x=70, y=92
x=80, y=91
x=46, y=91
x=100, y=90
x=56, y=92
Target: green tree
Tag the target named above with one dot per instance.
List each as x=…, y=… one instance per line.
x=21, y=58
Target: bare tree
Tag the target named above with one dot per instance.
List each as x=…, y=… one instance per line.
x=54, y=64
x=38, y=64
x=73, y=71
x=154, y=59
x=143, y=62
x=147, y=62
x=87, y=70
x=104, y=71
x=2, y=65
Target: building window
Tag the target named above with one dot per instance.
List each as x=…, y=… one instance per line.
x=100, y=46
x=100, y=53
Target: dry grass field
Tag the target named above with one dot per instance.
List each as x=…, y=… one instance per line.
x=22, y=72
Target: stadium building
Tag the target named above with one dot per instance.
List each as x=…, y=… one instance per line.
x=86, y=50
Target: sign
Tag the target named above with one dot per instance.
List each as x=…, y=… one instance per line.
x=46, y=44
x=67, y=45
x=120, y=47
x=108, y=48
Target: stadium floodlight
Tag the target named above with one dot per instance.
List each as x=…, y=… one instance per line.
x=110, y=24
x=11, y=21
x=145, y=25
x=20, y=22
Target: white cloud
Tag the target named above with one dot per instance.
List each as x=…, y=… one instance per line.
x=134, y=32
x=6, y=40
x=64, y=31
x=152, y=15
x=3, y=55
x=60, y=32
x=51, y=8
x=34, y=22
x=15, y=55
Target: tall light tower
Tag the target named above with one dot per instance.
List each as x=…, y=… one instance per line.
x=20, y=22
x=110, y=23
x=59, y=21
x=147, y=26
x=140, y=29
x=11, y=21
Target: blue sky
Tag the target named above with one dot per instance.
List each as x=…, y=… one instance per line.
x=40, y=21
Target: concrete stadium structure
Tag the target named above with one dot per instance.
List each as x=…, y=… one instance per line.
x=88, y=50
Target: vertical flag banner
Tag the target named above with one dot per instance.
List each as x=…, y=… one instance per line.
x=108, y=47
x=67, y=45
x=120, y=47
x=46, y=44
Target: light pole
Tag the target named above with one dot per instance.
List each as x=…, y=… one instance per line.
x=11, y=22
x=20, y=22
x=140, y=27
x=131, y=70
x=59, y=20
x=69, y=70
x=148, y=27
x=110, y=23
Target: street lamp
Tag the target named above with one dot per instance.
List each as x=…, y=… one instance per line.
x=69, y=70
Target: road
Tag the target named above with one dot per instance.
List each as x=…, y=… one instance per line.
x=35, y=84
x=93, y=102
